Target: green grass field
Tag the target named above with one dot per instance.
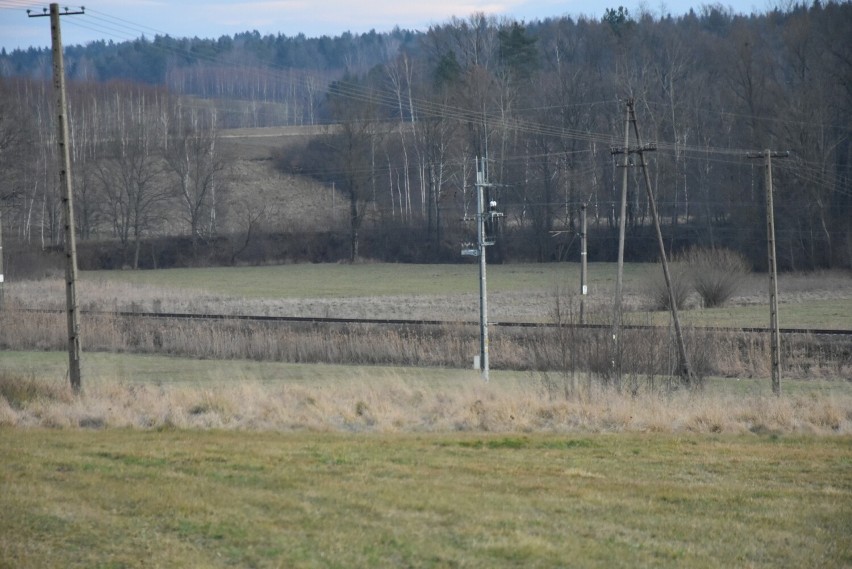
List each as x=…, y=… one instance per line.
x=105, y=368
x=812, y=314
x=369, y=279
x=121, y=498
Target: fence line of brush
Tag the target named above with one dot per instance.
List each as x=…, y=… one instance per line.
x=561, y=348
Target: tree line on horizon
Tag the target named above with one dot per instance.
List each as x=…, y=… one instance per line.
x=544, y=101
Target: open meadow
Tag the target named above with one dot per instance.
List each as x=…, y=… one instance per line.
x=279, y=316
x=517, y=292
x=217, y=444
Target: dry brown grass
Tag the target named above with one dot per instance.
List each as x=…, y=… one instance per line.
x=397, y=405
x=646, y=356
x=796, y=287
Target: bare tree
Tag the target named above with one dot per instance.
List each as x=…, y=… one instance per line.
x=13, y=136
x=131, y=181
x=248, y=217
x=353, y=151
x=196, y=164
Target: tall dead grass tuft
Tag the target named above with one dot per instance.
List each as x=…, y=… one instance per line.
x=20, y=390
x=397, y=405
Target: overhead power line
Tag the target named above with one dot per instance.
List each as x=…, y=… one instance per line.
x=126, y=30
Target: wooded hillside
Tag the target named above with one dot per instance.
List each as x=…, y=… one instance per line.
x=407, y=113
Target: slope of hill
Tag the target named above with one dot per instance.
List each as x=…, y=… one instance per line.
x=285, y=202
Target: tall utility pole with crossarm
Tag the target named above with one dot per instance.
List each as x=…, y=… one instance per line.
x=775, y=342
x=684, y=369
x=74, y=350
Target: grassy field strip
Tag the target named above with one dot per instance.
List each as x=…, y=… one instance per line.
x=109, y=368
x=814, y=314
x=379, y=279
x=151, y=393
x=106, y=368
x=120, y=498
x=801, y=305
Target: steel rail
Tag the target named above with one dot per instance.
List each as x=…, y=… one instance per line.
x=417, y=322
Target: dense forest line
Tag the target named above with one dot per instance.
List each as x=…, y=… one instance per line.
x=411, y=111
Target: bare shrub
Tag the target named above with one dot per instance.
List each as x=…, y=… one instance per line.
x=557, y=358
x=703, y=351
x=657, y=291
x=716, y=274
x=568, y=359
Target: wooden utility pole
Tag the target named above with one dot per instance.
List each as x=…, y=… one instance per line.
x=74, y=349
x=2, y=283
x=775, y=338
x=617, y=311
x=685, y=370
x=584, y=289
x=622, y=220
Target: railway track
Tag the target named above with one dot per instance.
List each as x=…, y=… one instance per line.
x=412, y=322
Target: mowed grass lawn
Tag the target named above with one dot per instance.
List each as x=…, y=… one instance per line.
x=125, y=498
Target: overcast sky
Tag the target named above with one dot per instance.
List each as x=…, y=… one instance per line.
x=121, y=20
